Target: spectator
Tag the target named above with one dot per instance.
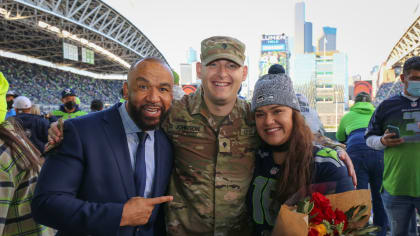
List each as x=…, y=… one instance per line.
x=35, y=126
x=276, y=69
x=368, y=163
x=401, y=178
x=35, y=110
x=96, y=105
x=10, y=96
x=19, y=168
x=69, y=108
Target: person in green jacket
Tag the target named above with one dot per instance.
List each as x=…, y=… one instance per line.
x=4, y=86
x=69, y=108
x=368, y=163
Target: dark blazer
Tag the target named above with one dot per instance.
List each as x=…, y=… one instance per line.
x=85, y=182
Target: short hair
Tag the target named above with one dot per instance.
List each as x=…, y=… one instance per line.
x=150, y=59
x=412, y=63
x=363, y=97
x=96, y=105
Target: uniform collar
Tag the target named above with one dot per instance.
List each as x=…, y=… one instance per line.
x=241, y=109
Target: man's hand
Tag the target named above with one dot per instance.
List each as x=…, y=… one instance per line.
x=138, y=210
x=388, y=139
x=346, y=159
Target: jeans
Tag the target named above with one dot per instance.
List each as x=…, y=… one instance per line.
x=369, y=167
x=401, y=213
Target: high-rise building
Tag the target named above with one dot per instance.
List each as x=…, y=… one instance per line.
x=308, y=47
x=331, y=87
x=191, y=55
x=186, y=74
x=328, y=39
x=304, y=78
x=274, y=50
x=299, y=28
x=323, y=79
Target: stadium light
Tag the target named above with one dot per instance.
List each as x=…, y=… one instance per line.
x=85, y=42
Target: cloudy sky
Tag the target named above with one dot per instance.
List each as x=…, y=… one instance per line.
x=366, y=29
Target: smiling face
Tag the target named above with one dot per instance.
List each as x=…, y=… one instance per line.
x=221, y=80
x=274, y=123
x=149, y=89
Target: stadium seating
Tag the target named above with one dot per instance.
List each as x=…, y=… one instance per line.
x=43, y=85
x=387, y=90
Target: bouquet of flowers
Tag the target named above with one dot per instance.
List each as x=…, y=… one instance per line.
x=335, y=214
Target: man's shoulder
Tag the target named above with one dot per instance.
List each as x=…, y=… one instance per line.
x=93, y=117
x=391, y=101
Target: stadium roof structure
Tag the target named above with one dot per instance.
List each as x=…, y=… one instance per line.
x=408, y=45
x=38, y=28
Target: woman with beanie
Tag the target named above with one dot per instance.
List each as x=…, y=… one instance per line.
x=287, y=160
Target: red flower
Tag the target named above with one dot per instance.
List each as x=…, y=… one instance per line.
x=329, y=214
x=322, y=207
x=340, y=217
x=313, y=232
x=319, y=215
x=320, y=200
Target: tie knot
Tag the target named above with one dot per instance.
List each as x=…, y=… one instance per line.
x=142, y=136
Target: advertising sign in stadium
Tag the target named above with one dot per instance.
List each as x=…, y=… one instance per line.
x=88, y=56
x=362, y=86
x=70, y=52
x=273, y=51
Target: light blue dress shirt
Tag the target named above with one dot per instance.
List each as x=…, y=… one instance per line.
x=131, y=131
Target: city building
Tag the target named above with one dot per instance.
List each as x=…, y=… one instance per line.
x=191, y=55
x=186, y=76
x=299, y=40
x=328, y=39
x=323, y=79
x=274, y=50
x=308, y=47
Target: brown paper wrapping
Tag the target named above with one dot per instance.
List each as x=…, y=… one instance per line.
x=290, y=223
x=347, y=200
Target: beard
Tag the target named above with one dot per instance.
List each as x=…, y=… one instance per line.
x=144, y=122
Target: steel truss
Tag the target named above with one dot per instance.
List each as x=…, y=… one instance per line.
x=92, y=20
x=408, y=46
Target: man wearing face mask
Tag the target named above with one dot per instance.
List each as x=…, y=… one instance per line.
x=10, y=96
x=69, y=108
x=394, y=128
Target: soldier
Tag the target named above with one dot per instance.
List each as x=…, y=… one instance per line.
x=214, y=139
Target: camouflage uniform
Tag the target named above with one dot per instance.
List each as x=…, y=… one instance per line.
x=213, y=168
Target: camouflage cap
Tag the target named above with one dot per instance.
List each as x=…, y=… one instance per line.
x=222, y=47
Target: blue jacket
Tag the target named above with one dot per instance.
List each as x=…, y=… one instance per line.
x=36, y=129
x=85, y=182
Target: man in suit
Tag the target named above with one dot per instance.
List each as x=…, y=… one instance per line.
x=109, y=174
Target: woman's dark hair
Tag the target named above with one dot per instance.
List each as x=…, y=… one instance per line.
x=16, y=141
x=295, y=172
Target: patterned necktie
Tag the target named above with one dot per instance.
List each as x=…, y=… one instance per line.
x=140, y=169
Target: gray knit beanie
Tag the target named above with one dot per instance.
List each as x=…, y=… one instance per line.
x=273, y=89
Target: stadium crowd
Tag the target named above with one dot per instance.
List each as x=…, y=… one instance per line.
x=43, y=85
x=387, y=90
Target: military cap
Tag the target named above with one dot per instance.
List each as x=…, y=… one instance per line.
x=222, y=47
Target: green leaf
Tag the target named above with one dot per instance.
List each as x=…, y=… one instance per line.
x=349, y=213
x=367, y=230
